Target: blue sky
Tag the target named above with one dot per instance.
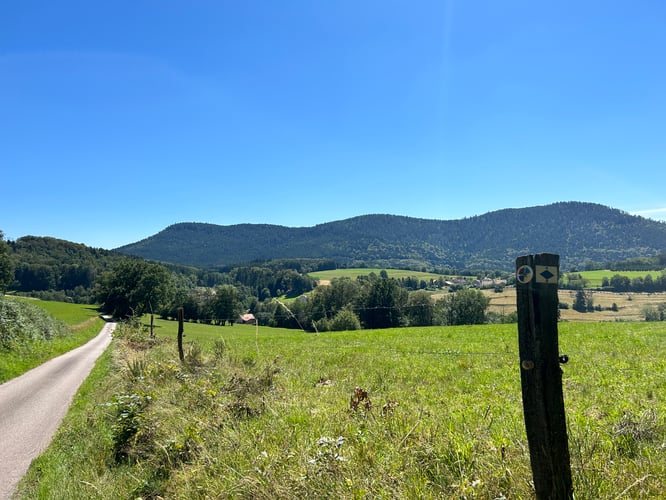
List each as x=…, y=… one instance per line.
x=121, y=118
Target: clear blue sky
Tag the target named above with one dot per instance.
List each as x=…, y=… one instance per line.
x=120, y=118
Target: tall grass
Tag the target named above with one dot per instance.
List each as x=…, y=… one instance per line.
x=407, y=413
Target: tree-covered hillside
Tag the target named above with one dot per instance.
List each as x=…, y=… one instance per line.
x=578, y=232
x=43, y=264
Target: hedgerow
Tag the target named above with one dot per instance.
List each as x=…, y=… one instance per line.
x=21, y=323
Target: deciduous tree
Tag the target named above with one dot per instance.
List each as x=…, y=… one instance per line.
x=382, y=307
x=465, y=307
x=134, y=286
x=6, y=265
x=420, y=308
x=226, y=306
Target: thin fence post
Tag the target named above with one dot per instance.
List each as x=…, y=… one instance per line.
x=541, y=377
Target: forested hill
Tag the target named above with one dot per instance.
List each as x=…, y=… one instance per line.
x=578, y=232
x=44, y=263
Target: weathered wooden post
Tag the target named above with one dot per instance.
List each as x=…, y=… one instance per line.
x=180, y=335
x=541, y=376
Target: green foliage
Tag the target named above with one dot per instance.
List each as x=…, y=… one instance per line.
x=46, y=264
x=354, y=272
x=345, y=319
x=647, y=263
x=270, y=281
x=464, y=307
x=583, y=301
x=420, y=309
x=619, y=282
x=226, y=304
x=22, y=323
x=133, y=287
x=654, y=313
x=128, y=410
x=6, y=265
x=586, y=233
x=382, y=303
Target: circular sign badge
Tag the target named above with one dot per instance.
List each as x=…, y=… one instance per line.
x=524, y=274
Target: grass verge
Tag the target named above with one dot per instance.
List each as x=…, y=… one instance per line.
x=83, y=324
x=404, y=413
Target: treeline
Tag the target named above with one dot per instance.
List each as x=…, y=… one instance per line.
x=647, y=263
x=346, y=304
x=55, y=269
x=136, y=287
x=578, y=232
x=647, y=284
x=373, y=301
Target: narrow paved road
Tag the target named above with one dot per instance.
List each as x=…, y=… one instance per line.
x=33, y=405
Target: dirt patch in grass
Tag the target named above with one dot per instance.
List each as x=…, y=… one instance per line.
x=84, y=325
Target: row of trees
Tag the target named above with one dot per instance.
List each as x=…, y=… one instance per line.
x=621, y=283
x=6, y=264
x=374, y=302
x=648, y=284
x=135, y=286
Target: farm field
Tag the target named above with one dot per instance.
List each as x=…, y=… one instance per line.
x=326, y=276
x=595, y=278
x=431, y=412
x=629, y=305
x=83, y=323
x=71, y=314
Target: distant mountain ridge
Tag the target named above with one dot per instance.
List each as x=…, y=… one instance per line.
x=577, y=231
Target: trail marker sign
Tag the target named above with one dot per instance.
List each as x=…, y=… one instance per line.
x=541, y=377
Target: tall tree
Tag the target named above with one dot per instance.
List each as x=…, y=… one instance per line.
x=328, y=300
x=6, y=265
x=134, y=287
x=465, y=307
x=383, y=304
x=226, y=305
x=420, y=308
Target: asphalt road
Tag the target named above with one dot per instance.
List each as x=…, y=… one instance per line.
x=33, y=405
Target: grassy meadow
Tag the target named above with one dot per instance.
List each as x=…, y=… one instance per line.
x=595, y=278
x=431, y=412
x=325, y=276
x=83, y=323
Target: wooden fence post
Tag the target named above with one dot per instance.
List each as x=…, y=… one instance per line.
x=541, y=376
x=180, y=335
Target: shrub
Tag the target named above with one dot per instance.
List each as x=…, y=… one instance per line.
x=21, y=323
x=345, y=319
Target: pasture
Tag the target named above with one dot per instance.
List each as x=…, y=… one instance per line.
x=327, y=276
x=74, y=315
x=595, y=278
x=629, y=305
x=83, y=323
x=431, y=412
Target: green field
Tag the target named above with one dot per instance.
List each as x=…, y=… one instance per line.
x=83, y=323
x=70, y=314
x=363, y=271
x=402, y=413
x=595, y=278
